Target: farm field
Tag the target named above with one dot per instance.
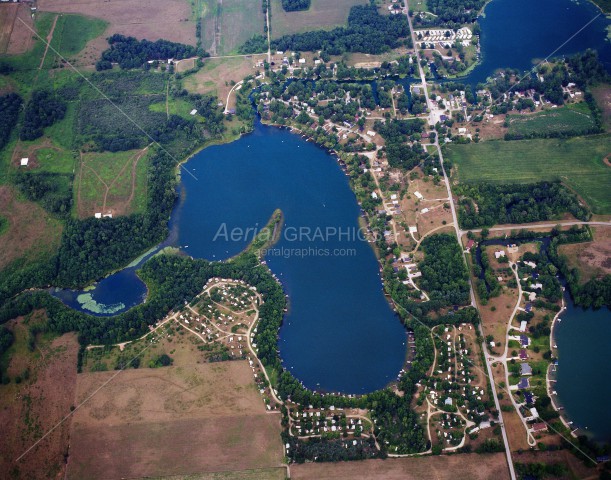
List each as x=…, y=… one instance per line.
x=602, y=95
x=112, y=183
x=217, y=73
x=32, y=50
x=211, y=414
x=577, y=162
x=454, y=467
x=31, y=232
x=572, y=119
x=70, y=35
x=170, y=20
x=227, y=24
x=322, y=14
x=42, y=398
x=15, y=37
x=592, y=259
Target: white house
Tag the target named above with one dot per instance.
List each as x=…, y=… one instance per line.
x=24, y=161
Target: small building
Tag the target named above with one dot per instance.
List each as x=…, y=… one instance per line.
x=525, y=369
x=371, y=133
x=524, y=340
x=523, y=354
x=424, y=210
x=413, y=229
x=374, y=195
x=193, y=112
x=528, y=398
x=418, y=195
x=25, y=161
x=499, y=254
x=98, y=215
x=539, y=427
x=523, y=383
x=523, y=324
x=302, y=60
x=448, y=401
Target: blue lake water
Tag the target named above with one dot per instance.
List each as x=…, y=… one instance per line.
x=517, y=33
x=583, y=338
x=340, y=333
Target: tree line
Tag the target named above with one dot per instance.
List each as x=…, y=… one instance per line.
x=130, y=52
x=10, y=105
x=367, y=31
x=295, y=5
x=484, y=205
x=43, y=110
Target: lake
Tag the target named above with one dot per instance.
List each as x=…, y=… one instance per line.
x=340, y=333
x=520, y=33
x=584, y=370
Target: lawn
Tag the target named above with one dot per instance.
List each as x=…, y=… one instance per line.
x=227, y=25
x=577, y=162
x=572, y=119
x=322, y=14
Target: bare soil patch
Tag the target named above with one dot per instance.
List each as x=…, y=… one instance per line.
x=31, y=230
x=15, y=37
x=30, y=409
x=454, y=467
x=216, y=75
x=211, y=415
x=592, y=259
x=492, y=128
x=158, y=19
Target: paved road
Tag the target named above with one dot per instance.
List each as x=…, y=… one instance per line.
x=459, y=235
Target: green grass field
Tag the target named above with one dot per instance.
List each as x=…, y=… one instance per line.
x=322, y=14
x=176, y=106
x=577, y=162
x=227, y=25
x=71, y=34
x=573, y=119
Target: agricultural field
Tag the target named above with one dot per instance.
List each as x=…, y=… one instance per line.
x=167, y=19
x=452, y=467
x=211, y=414
x=577, y=162
x=574, y=119
x=70, y=35
x=30, y=58
x=602, y=95
x=322, y=15
x=226, y=25
x=112, y=183
x=15, y=25
x=216, y=75
x=31, y=232
x=40, y=394
x=592, y=259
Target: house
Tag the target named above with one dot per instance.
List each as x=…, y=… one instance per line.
x=539, y=427
x=302, y=60
x=418, y=195
x=499, y=254
x=413, y=229
x=525, y=369
x=523, y=354
x=527, y=308
x=374, y=195
x=524, y=340
x=535, y=286
x=523, y=324
x=24, y=162
x=523, y=383
x=393, y=196
x=470, y=244
x=193, y=112
x=528, y=398
x=448, y=401
x=98, y=215
x=424, y=210
x=371, y=133
x=462, y=131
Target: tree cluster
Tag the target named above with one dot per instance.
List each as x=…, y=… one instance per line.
x=9, y=113
x=43, y=110
x=484, y=205
x=295, y=5
x=129, y=52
